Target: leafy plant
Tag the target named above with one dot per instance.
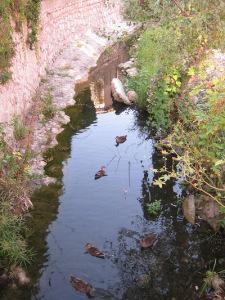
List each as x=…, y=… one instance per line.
x=154, y=207
x=32, y=14
x=213, y=280
x=14, y=198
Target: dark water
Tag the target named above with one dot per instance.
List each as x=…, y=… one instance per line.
x=111, y=213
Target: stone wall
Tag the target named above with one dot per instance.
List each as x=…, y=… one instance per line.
x=61, y=21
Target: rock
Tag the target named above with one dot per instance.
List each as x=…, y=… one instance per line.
x=127, y=65
x=208, y=210
x=132, y=96
x=148, y=241
x=118, y=92
x=132, y=72
x=19, y=275
x=188, y=207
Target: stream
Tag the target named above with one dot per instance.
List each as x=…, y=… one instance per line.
x=111, y=213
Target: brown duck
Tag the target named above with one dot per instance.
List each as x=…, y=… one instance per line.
x=120, y=139
x=89, y=248
x=81, y=286
x=101, y=173
x=148, y=241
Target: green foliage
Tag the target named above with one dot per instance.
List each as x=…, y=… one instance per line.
x=14, y=197
x=48, y=109
x=13, y=248
x=32, y=15
x=168, y=47
x=214, y=280
x=5, y=76
x=19, y=129
x=154, y=207
x=198, y=140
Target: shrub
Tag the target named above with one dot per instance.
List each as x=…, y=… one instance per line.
x=171, y=46
x=14, y=198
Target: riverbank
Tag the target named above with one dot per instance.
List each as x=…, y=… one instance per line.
x=181, y=73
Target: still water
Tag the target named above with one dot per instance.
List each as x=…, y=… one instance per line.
x=111, y=213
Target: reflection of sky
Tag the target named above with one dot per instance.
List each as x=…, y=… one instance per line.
x=94, y=210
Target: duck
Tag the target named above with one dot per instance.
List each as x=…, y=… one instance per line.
x=101, y=173
x=148, y=241
x=81, y=286
x=89, y=248
x=120, y=139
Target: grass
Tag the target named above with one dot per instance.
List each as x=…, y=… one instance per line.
x=13, y=247
x=14, y=200
x=19, y=129
x=48, y=110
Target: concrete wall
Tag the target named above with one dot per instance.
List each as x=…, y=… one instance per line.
x=61, y=21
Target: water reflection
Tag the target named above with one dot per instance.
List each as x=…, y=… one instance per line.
x=102, y=75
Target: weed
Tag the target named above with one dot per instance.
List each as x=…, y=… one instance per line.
x=48, y=109
x=14, y=198
x=154, y=207
x=19, y=129
x=5, y=76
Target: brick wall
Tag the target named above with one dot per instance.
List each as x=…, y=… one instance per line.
x=60, y=22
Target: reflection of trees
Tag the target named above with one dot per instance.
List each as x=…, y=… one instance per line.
x=82, y=114
x=177, y=262
x=45, y=199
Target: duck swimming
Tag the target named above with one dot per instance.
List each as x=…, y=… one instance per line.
x=81, y=286
x=101, y=173
x=120, y=139
x=89, y=248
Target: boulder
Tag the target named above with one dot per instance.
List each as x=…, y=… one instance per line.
x=132, y=72
x=188, y=207
x=19, y=275
x=132, y=96
x=127, y=65
x=118, y=92
x=208, y=210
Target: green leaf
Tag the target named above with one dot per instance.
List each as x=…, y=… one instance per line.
x=191, y=71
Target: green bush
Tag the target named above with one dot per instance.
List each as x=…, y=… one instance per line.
x=168, y=48
x=32, y=15
x=14, y=197
x=13, y=248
